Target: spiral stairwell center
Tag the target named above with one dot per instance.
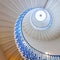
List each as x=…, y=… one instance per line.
x=30, y=29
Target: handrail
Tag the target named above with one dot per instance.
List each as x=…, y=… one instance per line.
x=45, y=4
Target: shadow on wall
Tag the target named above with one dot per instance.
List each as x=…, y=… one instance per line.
x=2, y=56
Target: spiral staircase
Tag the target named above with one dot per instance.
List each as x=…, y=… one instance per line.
x=10, y=13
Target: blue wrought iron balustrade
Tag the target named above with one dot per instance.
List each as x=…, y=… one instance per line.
x=24, y=47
